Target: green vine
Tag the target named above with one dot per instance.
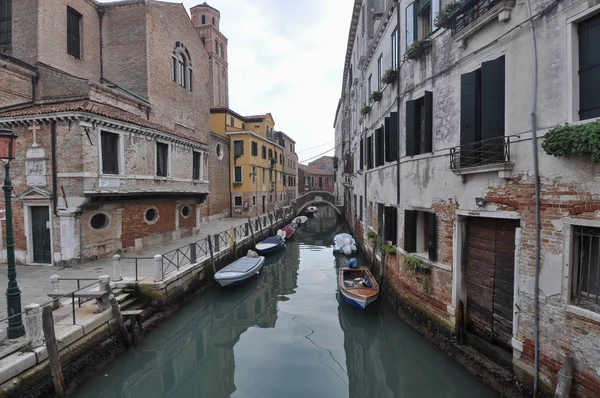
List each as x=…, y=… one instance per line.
x=376, y=96
x=389, y=249
x=371, y=235
x=574, y=140
x=413, y=263
x=425, y=284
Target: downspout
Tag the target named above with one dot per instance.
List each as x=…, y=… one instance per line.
x=54, y=182
x=398, y=108
x=34, y=79
x=537, y=208
x=100, y=12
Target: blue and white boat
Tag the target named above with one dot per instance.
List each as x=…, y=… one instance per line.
x=239, y=271
x=271, y=244
x=358, y=286
x=344, y=244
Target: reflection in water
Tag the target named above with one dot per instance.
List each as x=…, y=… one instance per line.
x=279, y=336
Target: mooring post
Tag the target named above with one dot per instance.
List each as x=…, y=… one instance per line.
x=33, y=325
x=52, y=348
x=565, y=379
x=54, y=280
x=212, y=257
x=251, y=231
x=117, y=276
x=116, y=311
x=158, y=264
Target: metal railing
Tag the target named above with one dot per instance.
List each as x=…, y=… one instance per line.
x=471, y=10
x=492, y=151
x=137, y=265
x=586, y=273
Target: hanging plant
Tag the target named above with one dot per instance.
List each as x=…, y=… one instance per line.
x=371, y=235
x=417, y=49
x=425, y=284
x=237, y=184
x=376, y=96
x=447, y=15
x=574, y=140
x=389, y=249
x=365, y=109
x=389, y=76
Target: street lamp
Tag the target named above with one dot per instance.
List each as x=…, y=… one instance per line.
x=13, y=294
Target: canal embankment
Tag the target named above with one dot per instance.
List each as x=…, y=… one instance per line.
x=149, y=290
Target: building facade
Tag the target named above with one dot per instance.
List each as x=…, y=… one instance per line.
x=312, y=178
x=324, y=163
x=112, y=140
x=435, y=121
x=290, y=167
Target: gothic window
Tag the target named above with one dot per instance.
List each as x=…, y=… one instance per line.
x=5, y=21
x=182, y=72
x=73, y=33
x=203, y=19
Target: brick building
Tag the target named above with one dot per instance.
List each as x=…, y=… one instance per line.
x=435, y=117
x=110, y=103
x=290, y=167
x=323, y=163
x=312, y=178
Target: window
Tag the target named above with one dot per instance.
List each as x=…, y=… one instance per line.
x=238, y=147
x=411, y=25
x=420, y=233
x=280, y=158
x=589, y=68
x=203, y=41
x=162, y=159
x=181, y=70
x=264, y=152
x=253, y=174
x=379, y=149
x=254, y=148
x=270, y=154
x=362, y=154
x=363, y=16
x=586, y=271
x=203, y=19
x=395, y=49
x=151, y=215
x=424, y=19
x=369, y=152
x=5, y=21
x=369, y=85
x=73, y=33
x=436, y=5
x=231, y=121
x=221, y=51
x=390, y=220
x=237, y=201
x=243, y=126
x=237, y=174
x=110, y=152
x=306, y=181
x=186, y=211
x=197, y=166
x=320, y=182
x=326, y=180
x=360, y=209
x=219, y=151
x=419, y=125
x=270, y=174
x=99, y=221
x=391, y=137
x=482, y=114
x=264, y=175
x=213, y=20
x=379, y=74
x=253, y=200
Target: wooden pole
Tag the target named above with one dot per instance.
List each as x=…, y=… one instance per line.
x=212, y=258
x=565, y=379
x=116, y=311
x=252, y=232
x=53, y=354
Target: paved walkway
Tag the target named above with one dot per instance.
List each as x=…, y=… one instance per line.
x=34, y=281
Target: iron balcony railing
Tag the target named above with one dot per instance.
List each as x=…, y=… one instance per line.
x=492, y=151
x=470, y=10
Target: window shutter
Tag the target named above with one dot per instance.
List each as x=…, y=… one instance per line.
x=410, y=231
x=492, y=110
x=589, y=68
x=411, y=128
x=428, y=127
x=379, y=147
x=387, y=132
x=393, y=136
x=391, y=220
x=369, y=152
x=432, y=237
x=469, y=99
x=362, y=153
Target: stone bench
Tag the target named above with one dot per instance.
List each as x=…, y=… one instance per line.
x=100, y=296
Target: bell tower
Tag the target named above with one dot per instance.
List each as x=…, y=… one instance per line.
x=206, y=20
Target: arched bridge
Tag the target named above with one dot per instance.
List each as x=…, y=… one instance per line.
x=316, y=197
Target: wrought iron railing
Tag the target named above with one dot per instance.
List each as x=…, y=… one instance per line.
x=492, y=151
x=586, y=273
x=470, y=10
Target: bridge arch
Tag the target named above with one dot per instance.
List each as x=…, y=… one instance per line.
x=316, y=197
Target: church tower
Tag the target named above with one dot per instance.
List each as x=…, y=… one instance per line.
x=206, y=20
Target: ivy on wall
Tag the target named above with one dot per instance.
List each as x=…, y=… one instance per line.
x=574, y=140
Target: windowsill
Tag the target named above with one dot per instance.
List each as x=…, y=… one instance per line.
x=425, y=258
x=419, y=156
x=583, y=313
x=500, y=10
x=503, y=170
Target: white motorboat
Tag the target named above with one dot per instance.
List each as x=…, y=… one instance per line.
x=239, y=271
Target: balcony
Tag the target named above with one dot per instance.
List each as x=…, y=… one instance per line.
x=491, y=155
x=119, y=186
x=474, y=14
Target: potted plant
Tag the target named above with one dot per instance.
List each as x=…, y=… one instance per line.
x=236, y=156
x=365, y=109
x=389, y=248
x=237, y=184
x=417, y=49
x=414, y=263
x=389, y=76
x=447, y=14
x=376, y=96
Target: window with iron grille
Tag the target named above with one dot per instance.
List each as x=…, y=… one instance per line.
x=110, y=152
x=162, y=159
x=5, y=21
x=586, y=268
x=73, y=33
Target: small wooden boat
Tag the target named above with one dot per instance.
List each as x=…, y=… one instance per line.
x=344, y=244
x=271, y=244
x=310, y=210
x=239, y=271
x=300, y=220
x=358, y=286
x=289, y=230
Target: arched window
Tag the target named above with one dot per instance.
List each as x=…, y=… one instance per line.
x=203, y=41
x=221, y=51
x=217, y=47
x=182, y=72
x=213, y=21
x=203, y=19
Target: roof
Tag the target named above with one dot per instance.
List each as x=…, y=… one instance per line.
x=205, y=5
x=251, y=118
x=314, y=170
x=93, y=108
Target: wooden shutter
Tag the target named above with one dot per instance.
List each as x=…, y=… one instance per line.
x=411, y=128
x=428, y=126
x=589, y=68
x=362, y=153
x=492, y=111
x=110, y=152
x=379, y=153
x=393, y=136
x=387, y=132
x=5, y=21
x=73, y=32
x=469, y=116
x=391, y=220
x=410, y=231
x=369, y=152
x=432, y=237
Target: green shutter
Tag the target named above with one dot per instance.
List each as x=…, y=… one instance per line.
x=492, y=111
x=423, y=4
x=428, y=125
x=411, y=128
x=432, y=237
x=393, y=136
x=469, y=116
x=589, y=68
x=362, y=153
x=387, y=132
x=369, y=152
x=410, y=231
x=379, y=147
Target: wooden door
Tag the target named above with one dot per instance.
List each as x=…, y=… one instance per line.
x=490, y=278
x=40, y=223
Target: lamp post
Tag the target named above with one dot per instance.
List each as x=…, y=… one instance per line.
x=13, y=294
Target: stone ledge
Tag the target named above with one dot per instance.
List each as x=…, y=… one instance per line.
x=500, y=10
x=503, y=170
x=15, y=364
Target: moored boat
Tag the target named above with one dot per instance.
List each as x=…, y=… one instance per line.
x=271, y=244
x=239, y=271
x=358, y=286
x=289, y=230
x=344, y=244
x=310, y=210
x=300, y=220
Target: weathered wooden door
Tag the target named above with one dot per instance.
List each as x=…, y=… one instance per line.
x=40, y=220
x=490, y=278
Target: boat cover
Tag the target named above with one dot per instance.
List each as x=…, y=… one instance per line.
x=272, y=239
x=243, y=264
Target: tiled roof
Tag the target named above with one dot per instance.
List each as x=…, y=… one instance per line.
x=95, y=109
x=314, y=170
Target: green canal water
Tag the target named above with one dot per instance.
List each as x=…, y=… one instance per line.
x=285, y=334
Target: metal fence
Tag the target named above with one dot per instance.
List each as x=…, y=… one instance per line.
x=586, y=270
x=492, y=151
x=471, y=10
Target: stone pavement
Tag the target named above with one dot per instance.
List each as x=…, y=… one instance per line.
x=34, y=281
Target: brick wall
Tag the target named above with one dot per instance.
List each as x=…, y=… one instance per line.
x=218, y=171
x=134, y=224
x=15, y=85
x=25, y=30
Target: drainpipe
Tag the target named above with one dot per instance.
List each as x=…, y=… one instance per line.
x=537, y=208
x=53, y=149
x=100, y=12
x=398, y=107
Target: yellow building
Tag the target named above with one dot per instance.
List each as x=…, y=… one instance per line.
x=256, y=161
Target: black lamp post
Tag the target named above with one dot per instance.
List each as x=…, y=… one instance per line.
x=13, y=294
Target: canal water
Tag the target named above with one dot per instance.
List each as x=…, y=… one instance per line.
x=285, y=334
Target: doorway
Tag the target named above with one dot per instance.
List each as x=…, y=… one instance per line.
x=41, y=239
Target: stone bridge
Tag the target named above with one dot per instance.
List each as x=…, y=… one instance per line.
x=316, y=197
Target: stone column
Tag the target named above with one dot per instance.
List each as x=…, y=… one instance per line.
x=117, y=268
x=54, y=280
x=159, y=268
x=33, y=325
x=70, y=238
